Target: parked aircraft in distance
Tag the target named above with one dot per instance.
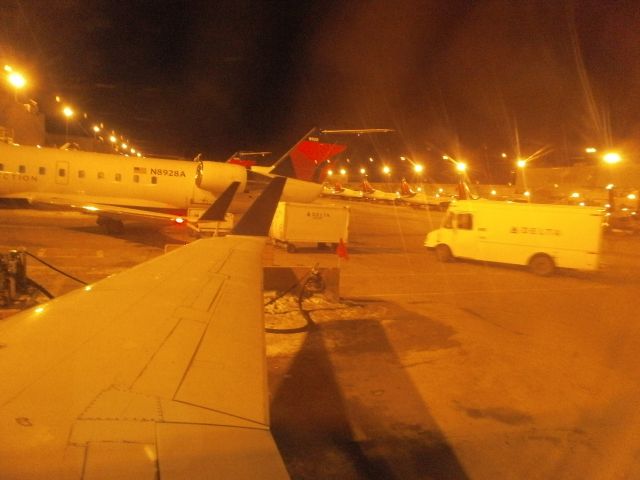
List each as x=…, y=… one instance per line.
x=370, y=193
x=337, y=190
x=155, y=372
x=420, y=198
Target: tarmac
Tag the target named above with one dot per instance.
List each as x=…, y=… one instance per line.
x=420, y=369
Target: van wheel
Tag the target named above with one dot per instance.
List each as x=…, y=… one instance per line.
x=542, y=264
x=443, y=253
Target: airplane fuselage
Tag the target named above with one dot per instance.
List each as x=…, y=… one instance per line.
x=156, y=184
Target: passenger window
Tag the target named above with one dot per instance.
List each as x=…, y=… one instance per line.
x=62, y=172
x=118, y=177
x=100, y=175
x=448, y=220
x=42, y=171
x=1, y=166
x=80, y=173
x=465, y=221
x=136, y=178
x=22, y=169
x=154, y=180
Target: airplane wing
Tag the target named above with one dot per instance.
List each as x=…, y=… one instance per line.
x=156, y=372
x=115, y=208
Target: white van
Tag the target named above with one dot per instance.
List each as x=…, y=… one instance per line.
x=538, y=235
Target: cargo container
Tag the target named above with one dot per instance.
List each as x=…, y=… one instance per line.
x=304, y=224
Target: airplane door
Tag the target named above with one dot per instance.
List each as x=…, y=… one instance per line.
x=62, y=173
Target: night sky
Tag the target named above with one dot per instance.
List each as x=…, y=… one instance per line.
x=450, y=76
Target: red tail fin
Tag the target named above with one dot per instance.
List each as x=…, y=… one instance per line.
x=309, y=155
x=306, y=160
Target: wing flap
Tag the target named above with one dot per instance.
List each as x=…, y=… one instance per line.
x=229, y=453
x=132, y=461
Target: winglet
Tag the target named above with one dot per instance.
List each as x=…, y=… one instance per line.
x=257, y=220
x=218, y=209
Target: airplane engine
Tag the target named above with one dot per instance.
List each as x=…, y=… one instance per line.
x=216, y=177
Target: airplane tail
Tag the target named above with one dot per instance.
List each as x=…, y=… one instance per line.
x=405, y=189
x=218, y=209
x=256, y=221
x=306, y=159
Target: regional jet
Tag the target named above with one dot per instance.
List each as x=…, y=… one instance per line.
x=439, y=199
x=156, y=372
x=117, y=188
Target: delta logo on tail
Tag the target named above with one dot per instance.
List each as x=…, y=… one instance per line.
x=306, y=160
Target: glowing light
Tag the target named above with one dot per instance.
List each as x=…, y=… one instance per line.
x=39, y=309
x=461, y=167
x=179, y=220
x=90, y=208
x=112, y=139
x=58, y=99
x=330, y=172
x=445, y=157
x=521, y=163
x=124, y=145
x=17, y=80
x=7, y=68
x=610, y=186
x=96, y=128
x=582, y=204
x=343, y=171
x=138, y=154
x=386, y=170
x=632, y=196
x=363, y=171
x=493, y=192
x=133, y=150
x=418, y=168
x=590, y=150
x=371, y=159
x=68, y=111
x=575, y=195
x=612, y=158
x=527, y=194
x=503, y=155
x=88, y=288
x=403, y=158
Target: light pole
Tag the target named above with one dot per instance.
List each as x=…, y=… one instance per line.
x=521, y=164
x=68, y=113
x=611, y=158
x=18, y=81
x=461, y=168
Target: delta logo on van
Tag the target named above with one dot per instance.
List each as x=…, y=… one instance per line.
x=536, y=231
